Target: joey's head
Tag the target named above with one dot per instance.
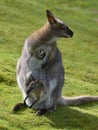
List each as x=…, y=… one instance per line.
x=58, y=27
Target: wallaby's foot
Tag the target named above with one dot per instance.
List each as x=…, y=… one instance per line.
x=18, y=106
x=41, y=112
x=44, y=111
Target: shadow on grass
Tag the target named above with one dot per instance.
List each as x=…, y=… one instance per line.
x=62, y=118
x=68, y=118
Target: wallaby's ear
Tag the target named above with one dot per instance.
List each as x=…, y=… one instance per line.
x=51, y=17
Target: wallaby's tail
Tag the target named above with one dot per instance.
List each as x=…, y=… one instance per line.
x=72, y=101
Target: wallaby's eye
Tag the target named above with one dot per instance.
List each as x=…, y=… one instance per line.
x=63, y=28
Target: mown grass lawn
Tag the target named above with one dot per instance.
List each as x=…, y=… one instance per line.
x=18, y=19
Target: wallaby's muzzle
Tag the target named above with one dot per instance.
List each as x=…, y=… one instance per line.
x=68, y=33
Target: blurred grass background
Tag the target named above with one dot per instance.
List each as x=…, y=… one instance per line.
x=18, y=19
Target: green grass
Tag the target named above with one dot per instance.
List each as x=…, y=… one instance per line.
x=20, y=18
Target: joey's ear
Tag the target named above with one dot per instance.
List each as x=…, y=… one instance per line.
x=51, y=17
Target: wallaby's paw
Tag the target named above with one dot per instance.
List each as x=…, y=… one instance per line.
x=40, y=53
x=18, y=106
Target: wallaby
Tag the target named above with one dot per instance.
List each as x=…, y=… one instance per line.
x=42, y=59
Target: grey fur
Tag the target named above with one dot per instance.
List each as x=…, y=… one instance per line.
x=41, y=49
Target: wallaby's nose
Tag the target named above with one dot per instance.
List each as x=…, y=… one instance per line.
x=71, y=33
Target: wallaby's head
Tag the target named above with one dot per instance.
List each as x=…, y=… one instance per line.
x=58, y=26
